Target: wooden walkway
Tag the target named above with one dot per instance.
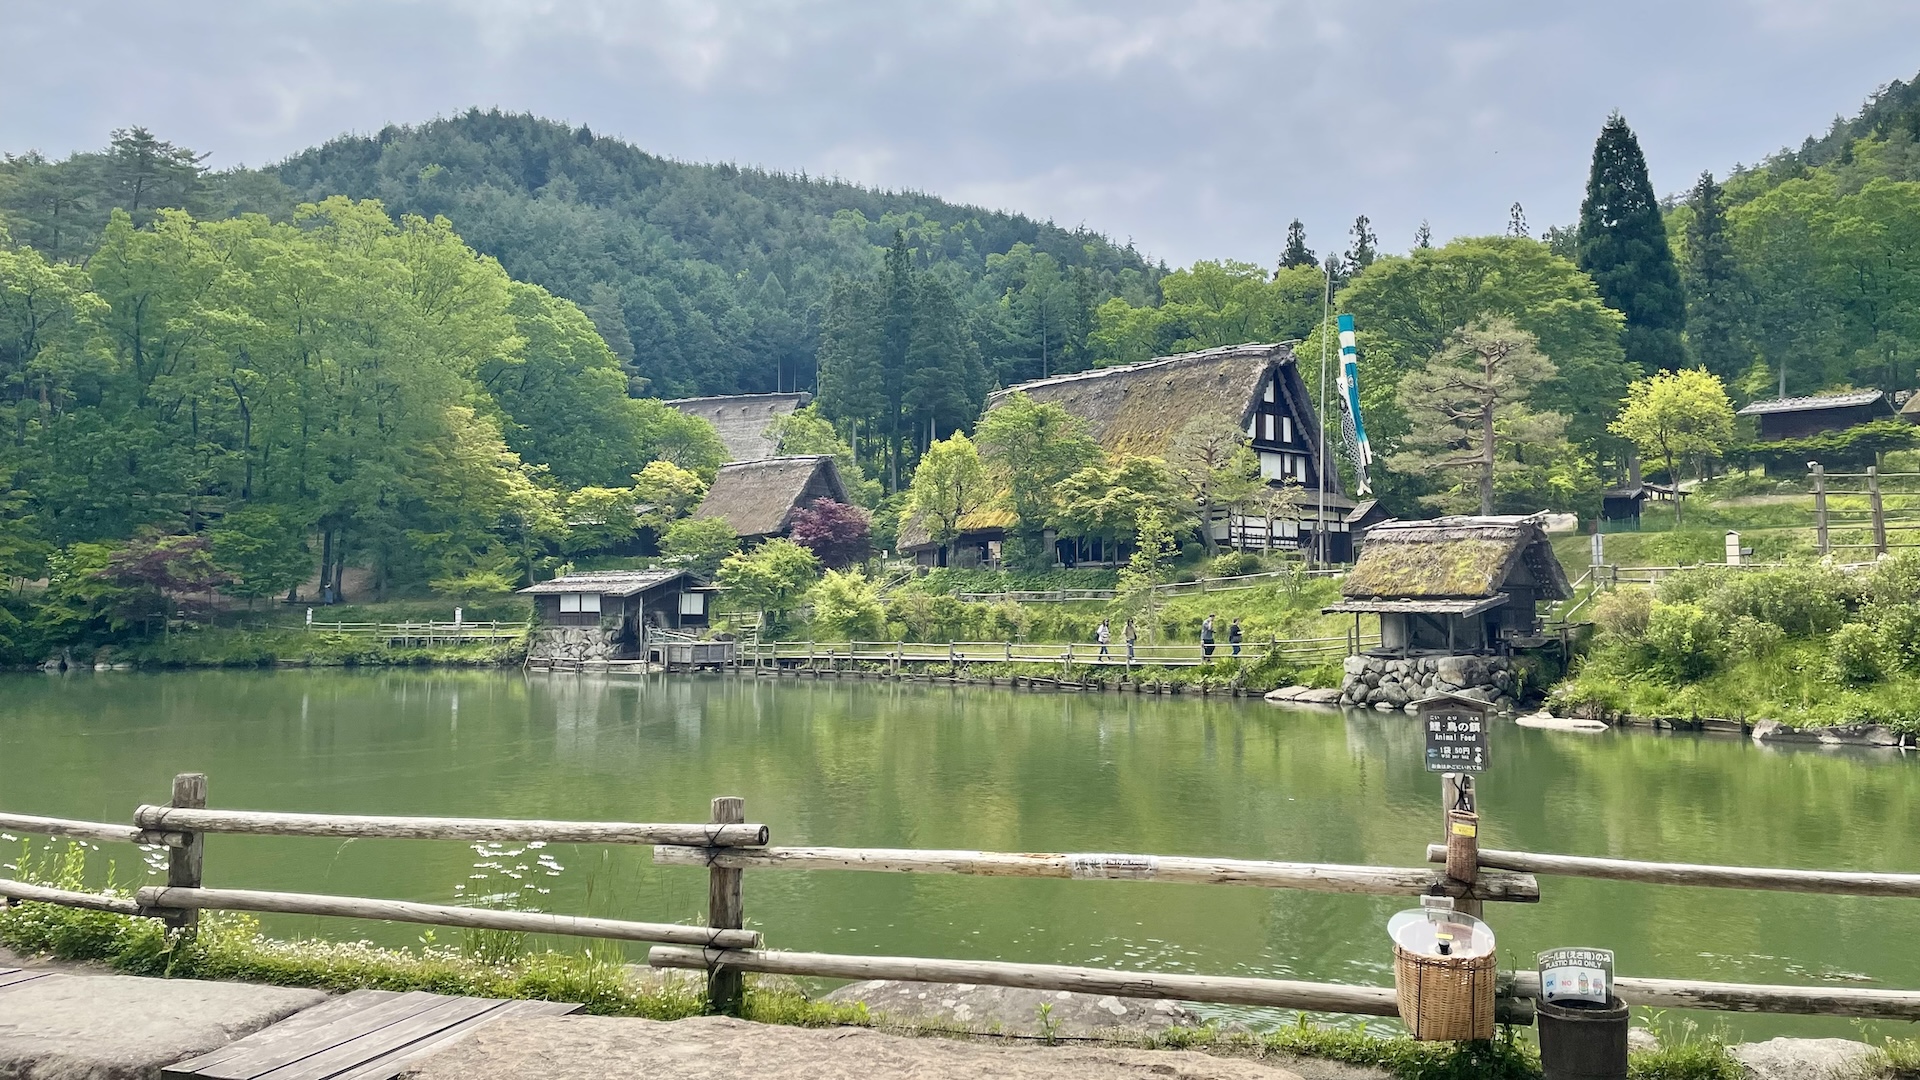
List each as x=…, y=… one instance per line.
x=16, y=976
x=364, y=1035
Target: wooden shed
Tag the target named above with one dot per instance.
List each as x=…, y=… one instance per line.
x=1799, y=417
x=1457, y=585
x=626, y=603
x=982, y=533
x=758, y=498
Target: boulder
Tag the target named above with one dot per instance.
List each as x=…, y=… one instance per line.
x=1354, y=665
x=1320, y=696
x=1841, y=735
x=1550, y=722
x=1285, y=693
x=1804, y=1059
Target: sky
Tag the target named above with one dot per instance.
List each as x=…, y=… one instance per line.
x=1195, y=129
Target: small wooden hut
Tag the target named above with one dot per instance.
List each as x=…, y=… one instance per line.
x=1457, y=585
x=758, y=498
x=981, y=535
x=1799, y=417
x=619, y=607
x=744, y=421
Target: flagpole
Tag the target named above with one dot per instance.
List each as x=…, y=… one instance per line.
x=1320, y=462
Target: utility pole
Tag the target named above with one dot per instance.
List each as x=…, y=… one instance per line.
x=1320, y=459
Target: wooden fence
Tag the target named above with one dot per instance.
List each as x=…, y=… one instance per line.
x=844, y=655
x=1891, y=516
x=1170, y=588
x=726, y=846
x=422, y=633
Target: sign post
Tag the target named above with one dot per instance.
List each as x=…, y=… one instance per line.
x=1456, y=740
x=1576, y=975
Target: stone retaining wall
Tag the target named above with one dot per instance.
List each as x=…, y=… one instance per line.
x=574, y=643
x=1398, y=681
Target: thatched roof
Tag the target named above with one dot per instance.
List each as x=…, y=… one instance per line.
x=1455, y=558
x=1847, y=400
x=1140, y=408
x=758, y=498
x=742, y=420
x=606, y=582
x=914, y=532
x=1911, y=410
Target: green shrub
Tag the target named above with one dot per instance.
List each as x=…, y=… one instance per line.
x=1894, y=580
x=1233, y=564
x=846, y=607
x=1623, y=613
x=1898, y=628
x=1854, y=656
x=1803, y=600
x=1686, y=639
x=1750, y=639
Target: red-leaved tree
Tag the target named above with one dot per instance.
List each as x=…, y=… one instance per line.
x=835, y=532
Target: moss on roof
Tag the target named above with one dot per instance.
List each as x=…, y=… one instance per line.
x=1453, y=558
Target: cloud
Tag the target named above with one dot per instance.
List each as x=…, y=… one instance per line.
x=1199, y=129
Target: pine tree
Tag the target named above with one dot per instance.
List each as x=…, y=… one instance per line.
x=1365, y=247
x=1715, y=293
x=1423, y=236
x=1622, y=245
x=1297, y=253
x=1517, y=222
x=896, y=339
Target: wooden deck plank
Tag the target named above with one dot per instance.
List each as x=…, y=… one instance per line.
x=278, y=1046
x=334, y=1060
x=392, y=1064
x=292, y=1028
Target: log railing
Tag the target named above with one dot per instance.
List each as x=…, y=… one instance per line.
x=726, y=846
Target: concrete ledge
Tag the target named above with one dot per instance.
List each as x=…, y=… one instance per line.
x=117, y=1027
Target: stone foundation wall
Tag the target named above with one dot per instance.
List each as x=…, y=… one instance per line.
x=574, y=643
x=1394, y=682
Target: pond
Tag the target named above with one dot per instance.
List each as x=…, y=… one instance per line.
x=891, y=765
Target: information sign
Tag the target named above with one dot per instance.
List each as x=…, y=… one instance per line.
x=1576, y=975
x=1456, y=736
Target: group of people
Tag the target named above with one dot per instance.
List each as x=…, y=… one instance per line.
x=1103, y=636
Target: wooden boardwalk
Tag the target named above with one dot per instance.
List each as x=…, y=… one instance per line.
x=364, y=1035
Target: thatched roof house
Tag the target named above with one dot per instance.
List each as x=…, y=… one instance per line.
x=743, y=419
x=981, y=534
x=758, y=498
x=1456, y=584
x=1142, y=409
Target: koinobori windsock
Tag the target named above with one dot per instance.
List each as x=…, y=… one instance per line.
x=1349, y=383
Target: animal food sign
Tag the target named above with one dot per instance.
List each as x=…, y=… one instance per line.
x=1456, y=736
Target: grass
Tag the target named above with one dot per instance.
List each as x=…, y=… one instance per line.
x=1790, y=685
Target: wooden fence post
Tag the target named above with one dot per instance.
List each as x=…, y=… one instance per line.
x=725, y=911
x=1819, y=507
x=185, y=863
x=1879, y=511
x=1460, y=815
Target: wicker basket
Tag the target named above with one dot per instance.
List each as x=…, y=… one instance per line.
x=1444, y=997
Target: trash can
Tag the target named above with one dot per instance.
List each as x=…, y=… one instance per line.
x=1583, y=1040
x=1443, y=973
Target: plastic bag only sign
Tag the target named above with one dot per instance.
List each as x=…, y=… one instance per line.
x=1576, y=975
x=1456, y=739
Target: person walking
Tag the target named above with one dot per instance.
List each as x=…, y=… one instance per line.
x=1132, y=635
x=1103, y=635
x=1233, y=635
x=1206, y=636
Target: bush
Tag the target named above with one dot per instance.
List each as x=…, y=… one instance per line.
x=1854, y=655
x=1623, y=613
x=1750, y=639
x=846, y=607
x=1898, y=628
x=1685, y=639
x=1893, y=580
x=1801, y=600
x=1234, y=564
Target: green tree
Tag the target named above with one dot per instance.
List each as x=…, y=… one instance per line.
x=846, y=607
x=1215, y=467
x=1468, y=403
x=664, y=493
x=1107, y=500
x=1029, y=448
x=1365, y=248
x=949, y=484
x=771, y=578
x=1676, y=415
x=1623, y=247
x=1715, y=291
x=808, y=431
x=1297, y=253
x=263, y=550
x=702, y=544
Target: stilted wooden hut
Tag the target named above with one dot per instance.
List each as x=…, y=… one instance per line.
x=606, y=615
x=1457, y=585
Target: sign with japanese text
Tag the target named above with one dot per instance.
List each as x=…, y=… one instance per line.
x=1456, y=737
x=1577, y=975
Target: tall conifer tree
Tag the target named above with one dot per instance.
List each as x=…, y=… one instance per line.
x=1715, y=293
x=1297, y=253
x=1622, y=245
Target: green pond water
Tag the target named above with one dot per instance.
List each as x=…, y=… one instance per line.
x=884, y=765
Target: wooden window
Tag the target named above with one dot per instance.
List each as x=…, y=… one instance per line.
x=569, y=602
x=1286, y=429
x=590, y=602
x=693, y=603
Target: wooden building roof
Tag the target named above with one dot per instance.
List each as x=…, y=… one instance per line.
x=606, y=582
x=1453, y=558
x=758, y=497
x=743, y=419
x=1851, y=399
x=914, y=532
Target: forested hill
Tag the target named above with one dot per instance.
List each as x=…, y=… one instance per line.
x=712, y=279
